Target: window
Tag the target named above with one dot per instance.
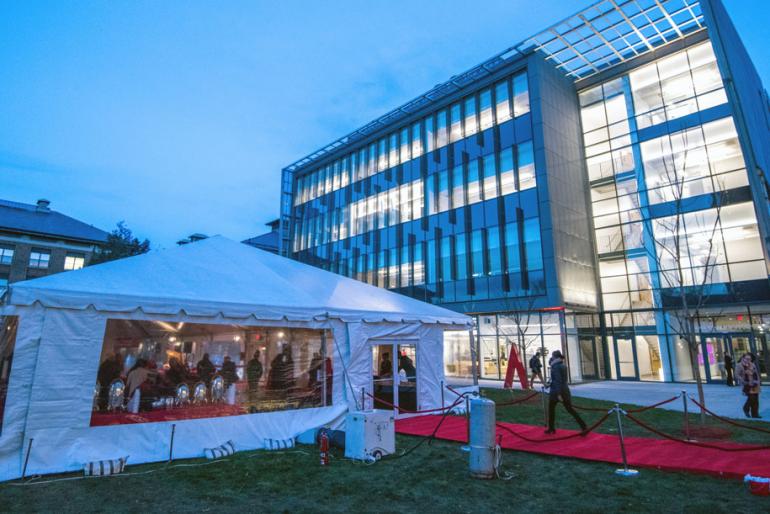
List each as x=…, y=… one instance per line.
x=486, y=119
x=39, y=259
x=693, y=162
x=490, y=177
x=442, y=136
x=677, y=85
x=526, y=166
x=247, y=368
x=520, y=95
x=503, y=107
x=6, y=255
x=507, y=180
x=471, y=122
x=456, y=123
x=458, y=190
x=8, y=328
x=474, y=182
x=74, y=261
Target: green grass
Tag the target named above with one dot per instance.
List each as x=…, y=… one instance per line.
x=434, y=478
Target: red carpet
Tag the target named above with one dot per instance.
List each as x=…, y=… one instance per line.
x=642, y=452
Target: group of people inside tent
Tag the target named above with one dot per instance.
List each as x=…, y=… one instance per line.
x=283, y=377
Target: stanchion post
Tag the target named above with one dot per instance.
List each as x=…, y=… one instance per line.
x=442, y=395
x=625, y=472
x=542, y=401
x=363, y=399
x=686, y=416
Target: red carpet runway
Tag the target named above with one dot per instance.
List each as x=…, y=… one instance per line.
x=642, y=452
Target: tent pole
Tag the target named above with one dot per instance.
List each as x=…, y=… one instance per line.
x=474, y=373
x=171, y=446
x=26, y=459
x=323, y=367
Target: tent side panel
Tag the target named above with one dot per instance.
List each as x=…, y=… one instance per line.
x=25, y=355
x=68, y=360
x=57, y=450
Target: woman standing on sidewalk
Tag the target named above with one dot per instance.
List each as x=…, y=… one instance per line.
x=748, y=375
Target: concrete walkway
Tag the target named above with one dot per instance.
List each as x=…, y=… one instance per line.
x=725, y=401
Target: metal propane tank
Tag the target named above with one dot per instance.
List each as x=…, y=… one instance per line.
x=482, y=438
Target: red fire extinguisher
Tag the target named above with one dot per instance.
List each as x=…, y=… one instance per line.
x=324, y=440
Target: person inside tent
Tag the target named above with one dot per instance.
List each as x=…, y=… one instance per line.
x=109, y=370
x=386, y=366
x=206, y=369
x=406, y=365
x=254, y=372
x=138, y=382
x=229, y=372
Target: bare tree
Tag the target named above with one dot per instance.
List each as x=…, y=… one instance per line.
x=687, y=245
x=521, y=319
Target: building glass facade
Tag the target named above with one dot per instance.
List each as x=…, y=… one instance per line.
x=565, y=206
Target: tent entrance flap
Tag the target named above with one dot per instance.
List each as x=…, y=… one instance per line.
x=395, y=376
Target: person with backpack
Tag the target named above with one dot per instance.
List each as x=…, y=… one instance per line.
x=559, y=391
x=536, y=367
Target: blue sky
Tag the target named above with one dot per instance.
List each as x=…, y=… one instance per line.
x=177, y=117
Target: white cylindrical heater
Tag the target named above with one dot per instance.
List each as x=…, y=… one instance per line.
x=482, y=443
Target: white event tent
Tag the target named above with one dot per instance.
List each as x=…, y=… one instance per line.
x=61, y=323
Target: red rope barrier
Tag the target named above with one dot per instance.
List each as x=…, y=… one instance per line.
x=406, y=411
x=517, y=401
x=553, y=439
x=693, y=443
x=638, y=410
x=728, y=421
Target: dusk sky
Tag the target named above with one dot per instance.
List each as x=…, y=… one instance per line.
x=177, y=117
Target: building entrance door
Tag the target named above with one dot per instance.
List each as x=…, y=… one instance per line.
x=711, y=357
x=625, y=354
x=394, y=376
x=763, y=356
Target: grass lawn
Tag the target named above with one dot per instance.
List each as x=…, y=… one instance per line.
x=431, y=479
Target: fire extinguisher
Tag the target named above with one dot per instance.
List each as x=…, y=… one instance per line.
x=324, y=440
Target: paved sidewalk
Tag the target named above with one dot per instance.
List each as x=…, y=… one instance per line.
x=725, y=401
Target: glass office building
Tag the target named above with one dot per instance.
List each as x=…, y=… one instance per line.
x=570, y=193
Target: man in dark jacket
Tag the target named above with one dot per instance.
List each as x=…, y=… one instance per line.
x=560, y=392
x=536, y=367
x=206, y=369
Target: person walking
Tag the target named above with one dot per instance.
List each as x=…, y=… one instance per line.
x=559, y=391
x=729, y=370
x=748, y=375
x=536, y=367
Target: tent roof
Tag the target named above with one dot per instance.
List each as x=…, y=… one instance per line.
x=218, y=276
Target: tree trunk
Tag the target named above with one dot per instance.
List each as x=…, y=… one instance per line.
x=698, y=379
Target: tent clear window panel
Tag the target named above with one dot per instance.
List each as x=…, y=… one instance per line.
x=8, y=327
x=160, y=371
